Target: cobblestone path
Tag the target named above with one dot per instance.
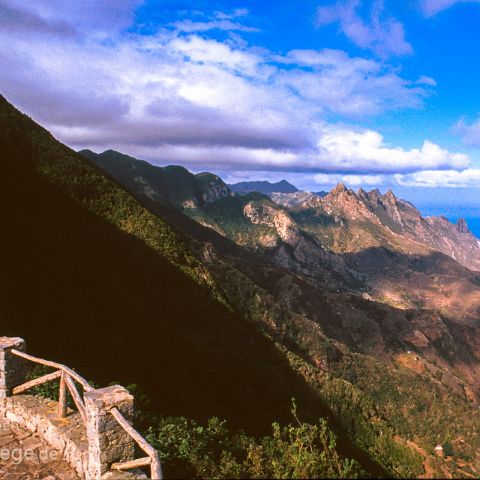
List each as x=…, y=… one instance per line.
x=25, y=456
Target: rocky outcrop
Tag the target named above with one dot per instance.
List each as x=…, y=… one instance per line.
x=371, y=219
x=300, y=200
x=212, y=188
x=285, y=227
x=297, y=250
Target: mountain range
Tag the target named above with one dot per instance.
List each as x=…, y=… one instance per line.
x=351, y=302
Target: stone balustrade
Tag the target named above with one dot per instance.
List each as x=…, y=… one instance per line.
x=91, y=443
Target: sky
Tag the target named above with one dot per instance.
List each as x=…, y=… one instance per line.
x=373, y=93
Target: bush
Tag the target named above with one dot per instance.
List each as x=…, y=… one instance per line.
x=190, y=450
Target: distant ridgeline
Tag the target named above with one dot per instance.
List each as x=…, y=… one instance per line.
x=243, y=188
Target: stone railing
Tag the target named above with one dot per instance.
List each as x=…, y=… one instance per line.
x=96, y=440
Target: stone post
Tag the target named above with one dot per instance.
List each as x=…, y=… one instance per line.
x=108, y=442
x=12, y=368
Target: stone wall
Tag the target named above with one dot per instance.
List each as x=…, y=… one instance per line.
x=90, y=445
x=12, y=369
x=39, y=415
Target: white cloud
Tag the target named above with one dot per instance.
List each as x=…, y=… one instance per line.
x=366, y=151
x=227, y=25
x=432, y=7
x=381, y=33
x=424, y=80
x=347, y=151
x=171, y=97
x=202, y=51
x=220, y=21
x=468, y=178
x=237, y=13
x=349, y=85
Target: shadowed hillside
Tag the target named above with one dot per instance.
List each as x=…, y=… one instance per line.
x=92, y=279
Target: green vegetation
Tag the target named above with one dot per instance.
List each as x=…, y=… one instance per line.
x=47, y=390
x=228, y=215
x=358, y=415
x=190, y=450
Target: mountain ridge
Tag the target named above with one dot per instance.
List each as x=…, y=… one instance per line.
x=117, y=275
x=172, y=184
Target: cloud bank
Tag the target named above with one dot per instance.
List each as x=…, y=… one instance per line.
x=178, y=95
x=468, y=178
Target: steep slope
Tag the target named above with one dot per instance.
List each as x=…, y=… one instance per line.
x=346, y=221
x=255, y=222
x=243, y=188
x=454, y=240
x=172, y=184
x=93, y=279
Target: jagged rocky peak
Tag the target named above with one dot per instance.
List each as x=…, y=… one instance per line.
x=340, y=189
x=348, y=204
x=390, y=197
x=462, y=226
x=361, y=193
x=374, y=195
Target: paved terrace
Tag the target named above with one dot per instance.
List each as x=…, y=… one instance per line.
x=25, y=455
x=44, y=439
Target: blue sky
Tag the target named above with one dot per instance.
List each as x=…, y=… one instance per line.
x=375, y=93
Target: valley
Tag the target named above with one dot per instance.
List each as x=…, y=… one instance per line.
x=344, y=281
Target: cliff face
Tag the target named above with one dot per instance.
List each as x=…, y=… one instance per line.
x=454, y=240
x=360, y=220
